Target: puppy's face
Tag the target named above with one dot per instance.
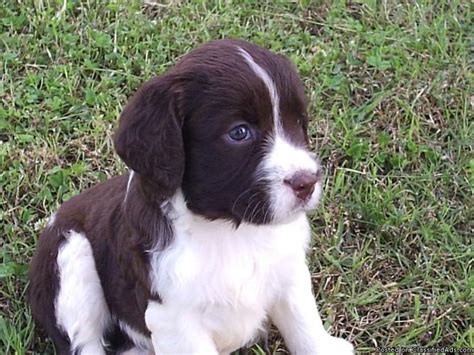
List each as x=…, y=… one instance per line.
x=241, y=113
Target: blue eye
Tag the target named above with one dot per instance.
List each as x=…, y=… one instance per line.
x=240, y=133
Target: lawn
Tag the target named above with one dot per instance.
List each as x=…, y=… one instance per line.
x=391, y=99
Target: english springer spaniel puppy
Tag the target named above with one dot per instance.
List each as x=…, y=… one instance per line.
x=203, y=242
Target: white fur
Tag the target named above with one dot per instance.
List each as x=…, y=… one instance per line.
x=272, y=91
x=282, y=161
x=80, y=306
x=219, y=284
x=129, y=182
x=142, y=342
x=136, y=351
x=296, y=316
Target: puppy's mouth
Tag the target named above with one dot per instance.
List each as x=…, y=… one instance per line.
x=302, y=204
x=306, y=203
x=291, y=203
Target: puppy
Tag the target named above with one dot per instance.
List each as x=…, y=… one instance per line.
x=203, y=242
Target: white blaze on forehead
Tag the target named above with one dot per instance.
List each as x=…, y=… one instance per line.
x=283, y=159
x=262, y=74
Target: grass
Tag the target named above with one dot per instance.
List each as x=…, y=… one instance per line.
x=391, y=91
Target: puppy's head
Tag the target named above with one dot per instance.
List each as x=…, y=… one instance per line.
x=227, y=125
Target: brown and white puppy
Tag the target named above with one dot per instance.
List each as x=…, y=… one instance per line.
x=204, y=240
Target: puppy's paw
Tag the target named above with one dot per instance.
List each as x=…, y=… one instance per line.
x=332, y=345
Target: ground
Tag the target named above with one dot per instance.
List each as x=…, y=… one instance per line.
x=391, y=99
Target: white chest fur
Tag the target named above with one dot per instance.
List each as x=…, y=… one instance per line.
x=226, y=277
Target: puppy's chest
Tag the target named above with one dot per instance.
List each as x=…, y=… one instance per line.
x=230, y=277
x=223, y=266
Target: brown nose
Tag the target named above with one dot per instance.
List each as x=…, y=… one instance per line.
x=302, y=183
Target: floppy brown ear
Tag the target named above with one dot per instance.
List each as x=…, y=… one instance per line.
x=149, y=138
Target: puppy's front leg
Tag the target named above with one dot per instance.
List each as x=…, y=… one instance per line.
x=297, y=318
x=175, y=331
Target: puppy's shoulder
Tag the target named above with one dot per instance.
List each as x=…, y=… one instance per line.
x=91, y=206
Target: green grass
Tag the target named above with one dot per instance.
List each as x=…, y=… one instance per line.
x=392, y=97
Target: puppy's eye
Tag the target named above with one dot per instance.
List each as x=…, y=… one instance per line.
x=240, y=133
